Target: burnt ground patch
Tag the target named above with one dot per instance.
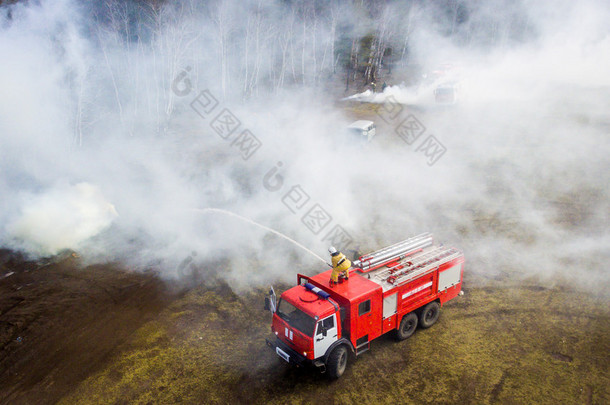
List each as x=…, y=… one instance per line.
x=59, y=321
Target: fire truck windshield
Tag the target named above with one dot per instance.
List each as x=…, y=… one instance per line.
x=296, y=318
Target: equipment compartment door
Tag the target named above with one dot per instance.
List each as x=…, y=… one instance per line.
x=389, y=306
x=389, y=312
x=450, y=277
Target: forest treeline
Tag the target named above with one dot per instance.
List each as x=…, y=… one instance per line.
x=258, y=44
x=119, y=58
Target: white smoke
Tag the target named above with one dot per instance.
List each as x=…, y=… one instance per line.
x=60, y=218
x=91, y=118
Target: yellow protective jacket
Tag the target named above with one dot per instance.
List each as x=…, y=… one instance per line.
x=340, y=265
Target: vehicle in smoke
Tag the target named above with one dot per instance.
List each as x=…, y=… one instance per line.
x=395, y=289
x=444, y=83
x=362, y=130
x=446, y=93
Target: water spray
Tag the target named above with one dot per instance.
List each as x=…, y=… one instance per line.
x=250, y=221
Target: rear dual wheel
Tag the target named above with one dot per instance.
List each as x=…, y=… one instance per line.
x=429, y=315
x=407, y=326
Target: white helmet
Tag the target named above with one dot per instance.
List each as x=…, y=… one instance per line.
x=332, y=250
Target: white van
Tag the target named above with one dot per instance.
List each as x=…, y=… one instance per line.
x=364, y=130
x=446, y=93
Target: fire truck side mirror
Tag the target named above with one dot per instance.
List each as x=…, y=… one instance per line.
x=271, y=301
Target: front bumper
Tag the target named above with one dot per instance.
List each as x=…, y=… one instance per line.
x=287, y=353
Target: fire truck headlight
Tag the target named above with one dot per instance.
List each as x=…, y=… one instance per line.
x=305, y=354
x=275, y=333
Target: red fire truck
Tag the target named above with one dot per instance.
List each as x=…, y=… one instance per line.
x=394, y=289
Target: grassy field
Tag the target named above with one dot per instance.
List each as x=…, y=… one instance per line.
x=517, y=344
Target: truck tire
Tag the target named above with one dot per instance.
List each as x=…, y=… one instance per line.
x=429, y=315
x=407, y=327
x=337, y=362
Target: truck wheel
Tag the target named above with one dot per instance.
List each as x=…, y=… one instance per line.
x=429, y=315
x=407, y=326
x=336, y=363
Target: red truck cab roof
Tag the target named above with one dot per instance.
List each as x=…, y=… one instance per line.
x=308, y=302
x=350, y=290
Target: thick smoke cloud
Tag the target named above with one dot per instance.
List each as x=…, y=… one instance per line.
x=102, y=152
x=60, y=218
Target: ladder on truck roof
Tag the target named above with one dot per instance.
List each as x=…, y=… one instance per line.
x=397, y=251
x=414, y=266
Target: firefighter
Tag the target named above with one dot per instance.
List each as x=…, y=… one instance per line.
x=341, y=266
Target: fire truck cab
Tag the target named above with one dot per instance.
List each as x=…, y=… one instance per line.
x=394, y=289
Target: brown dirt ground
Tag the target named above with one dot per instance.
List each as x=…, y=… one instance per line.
x=60, y=321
